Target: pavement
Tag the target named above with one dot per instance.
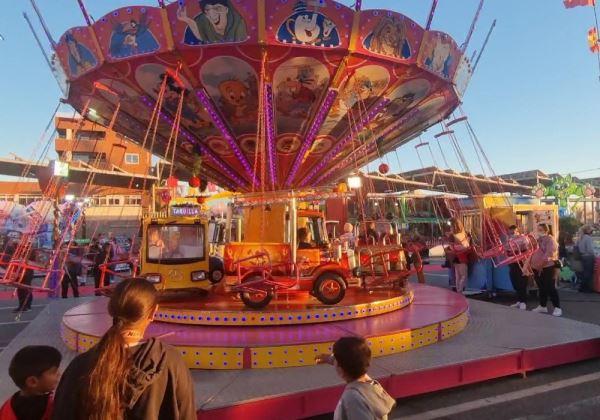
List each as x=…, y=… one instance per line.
x=570, y=392
x=565, y=392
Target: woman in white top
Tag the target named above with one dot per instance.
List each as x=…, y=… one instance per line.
x=461, y=247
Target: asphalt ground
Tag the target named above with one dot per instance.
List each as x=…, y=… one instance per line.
x=565, y=392
x=570, y=392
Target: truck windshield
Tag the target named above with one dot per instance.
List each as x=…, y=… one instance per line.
x=175, y=244
x=316, y=230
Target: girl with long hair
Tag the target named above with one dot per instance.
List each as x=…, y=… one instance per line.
x=126, y=376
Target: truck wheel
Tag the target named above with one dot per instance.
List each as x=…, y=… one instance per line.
x=215, y=276
x=329, y=288
x=256, y=299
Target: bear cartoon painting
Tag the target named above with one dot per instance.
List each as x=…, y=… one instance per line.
x=308, y=27
x=233, y=85
x=389, y=38
x=236, y=100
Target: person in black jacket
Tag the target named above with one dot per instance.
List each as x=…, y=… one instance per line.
x=126, y=376
x=70, y=276
x=101, y=258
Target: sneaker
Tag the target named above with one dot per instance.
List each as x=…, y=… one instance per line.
x=516, y=305
x=540, y=309
x=557, y=312
x=522, y=306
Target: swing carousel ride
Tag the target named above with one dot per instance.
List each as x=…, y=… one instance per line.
x=276, y=101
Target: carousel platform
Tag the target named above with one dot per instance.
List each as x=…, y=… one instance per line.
x=498, y=341
x=387, y=319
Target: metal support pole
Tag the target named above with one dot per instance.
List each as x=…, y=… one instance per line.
x=487, y=39
x=472, y=28
x=37, y=40
x=294, y=230
x=85, y=13
x=43, y=23
x=431, y=14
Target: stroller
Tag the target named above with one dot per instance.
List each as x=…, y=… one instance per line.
x=572, y=270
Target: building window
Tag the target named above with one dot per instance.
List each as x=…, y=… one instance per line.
x=114, y=201
x=90, y=135
x=132, y=158
x=62, y=133
x=83, y=157
x=133, y=200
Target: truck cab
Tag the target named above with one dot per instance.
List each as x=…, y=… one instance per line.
x=174, y=252
x=282, y=247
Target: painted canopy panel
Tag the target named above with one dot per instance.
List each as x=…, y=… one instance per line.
x=271, y=93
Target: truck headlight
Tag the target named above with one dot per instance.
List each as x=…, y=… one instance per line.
x=153, y=278
x=199, y=275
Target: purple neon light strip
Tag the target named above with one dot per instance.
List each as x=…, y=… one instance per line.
x=270, y=134
x=369, y=147
x=205, y=150
x=222, y=127
x=312, y=134
x=376, y=109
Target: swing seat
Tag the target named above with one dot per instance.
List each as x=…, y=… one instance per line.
x=518, y=249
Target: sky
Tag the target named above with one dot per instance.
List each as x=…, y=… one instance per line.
x=533, y=101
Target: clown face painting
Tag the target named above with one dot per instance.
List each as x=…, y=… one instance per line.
x=308, y=27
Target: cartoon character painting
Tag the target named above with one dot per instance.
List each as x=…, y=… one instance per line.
x=233, y=85
x=295, y=98
x=359, y=92
x=288, y=144
x=297, y=93
x=389, y=38
x=402, y=99
x=80, y=57
x=321, y=145
x=190, y=112
x=439, y=58
x=235, y=100
x=406, y=96
x=218, y=22
x=150, y=77
x=308, y=27
x=132, y=38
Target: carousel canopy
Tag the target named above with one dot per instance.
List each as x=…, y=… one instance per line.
x=267, y=94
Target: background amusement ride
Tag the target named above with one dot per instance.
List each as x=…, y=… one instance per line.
x=278, y=102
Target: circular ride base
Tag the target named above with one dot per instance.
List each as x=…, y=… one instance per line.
x=391, y=321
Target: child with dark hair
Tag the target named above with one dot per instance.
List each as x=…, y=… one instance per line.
x=363, y=397
x=34, y=370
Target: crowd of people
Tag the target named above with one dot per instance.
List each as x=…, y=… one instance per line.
x=94, y=258
x=542, y=267
x=126, y=376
